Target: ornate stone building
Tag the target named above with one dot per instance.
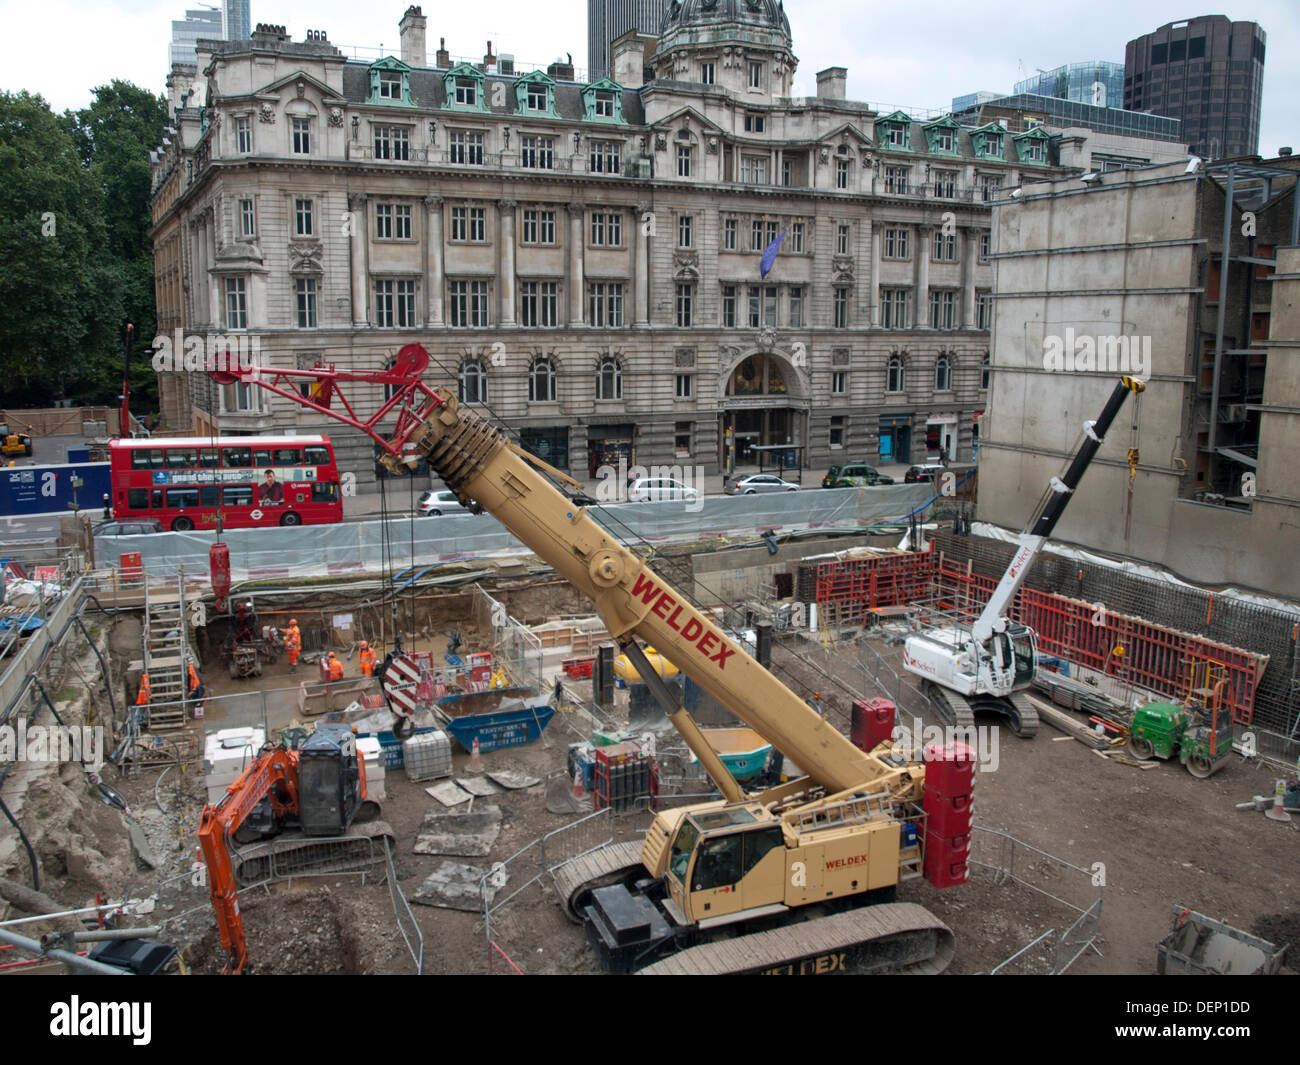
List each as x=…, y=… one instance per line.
x=585, y=258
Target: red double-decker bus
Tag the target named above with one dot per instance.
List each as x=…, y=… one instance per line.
x=251, y=481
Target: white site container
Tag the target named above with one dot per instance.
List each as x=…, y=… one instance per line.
x=226, y=754
x=369, y=749
x=427, y=756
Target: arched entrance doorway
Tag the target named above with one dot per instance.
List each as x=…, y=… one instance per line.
x=764, y=403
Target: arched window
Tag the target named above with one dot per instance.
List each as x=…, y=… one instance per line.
x=984, y=372
x=609, y=380
x=541, y=381
x=943, y=373
x=473, y=382
x=896, y=378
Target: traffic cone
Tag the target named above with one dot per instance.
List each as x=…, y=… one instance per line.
x=475, y=761
x=1279, y=796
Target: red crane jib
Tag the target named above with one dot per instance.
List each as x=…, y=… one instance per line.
x=411, y=401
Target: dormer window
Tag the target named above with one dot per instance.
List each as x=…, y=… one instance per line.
x=896, y=136
x=390, y=82
x=537, y=97
x=467, y=92
x=993, y=145
x=602, y=101
x=604, y=106
x=390, y=85
x=895, y=131
x=944, y=140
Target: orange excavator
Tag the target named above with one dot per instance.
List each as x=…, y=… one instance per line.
x=319, y=788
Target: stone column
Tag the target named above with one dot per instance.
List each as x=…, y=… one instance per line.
x=577, y=219
x=359, y=222
x=970, y=251
x=877, y=248
x=924, y=235
x=641, y=282
x=506, y=273
x=433, y=254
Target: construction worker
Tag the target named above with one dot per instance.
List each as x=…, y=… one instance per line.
x=335, y=668
x=142, y=699
x=367, y=660
x=498, y=678
x=293, y=644
x=196, y=689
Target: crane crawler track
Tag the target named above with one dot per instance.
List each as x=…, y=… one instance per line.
x=575, y=880
x=899, y=937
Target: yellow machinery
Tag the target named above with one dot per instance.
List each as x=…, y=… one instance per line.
x=15, y=443
x=801, y=876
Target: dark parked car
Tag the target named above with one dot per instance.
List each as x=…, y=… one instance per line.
x=925, y=473
x=129, y=527
x=855, y=475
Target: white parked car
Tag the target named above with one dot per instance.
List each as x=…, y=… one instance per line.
x=436, y=504
x=759, y=482
x=659, y=489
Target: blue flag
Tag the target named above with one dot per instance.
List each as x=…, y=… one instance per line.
x=769, y=255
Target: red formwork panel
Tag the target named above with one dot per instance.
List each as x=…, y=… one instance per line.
x=1151, y=656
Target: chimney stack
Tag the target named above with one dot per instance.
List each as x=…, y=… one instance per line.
x=831, y=83
x=444, y=56
x=489, y=60
x=412, y=29
x=628, y=68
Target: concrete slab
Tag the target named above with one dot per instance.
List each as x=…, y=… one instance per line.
x=456, y=886
x=463, y=835
x=478, y=786
x=512, y=779
x=449, y=793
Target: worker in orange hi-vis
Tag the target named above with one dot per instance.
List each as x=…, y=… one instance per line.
x=336, y=668
x=142, y=699
x=367, y=660
x=293, y=644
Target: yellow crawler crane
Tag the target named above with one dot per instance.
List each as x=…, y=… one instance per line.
x=796, y=878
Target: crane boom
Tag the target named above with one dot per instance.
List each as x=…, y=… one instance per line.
x=993, y=617
x=475, y=460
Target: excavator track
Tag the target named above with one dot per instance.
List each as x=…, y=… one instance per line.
x=955, y=708
x=1024, y=719
x=899, y=937
x=576, y=880
x=359, y=850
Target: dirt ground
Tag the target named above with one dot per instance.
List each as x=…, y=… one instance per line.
x=1160, y=839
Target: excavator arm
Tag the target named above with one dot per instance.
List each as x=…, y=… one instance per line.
x=273, y=774
x=475, y=460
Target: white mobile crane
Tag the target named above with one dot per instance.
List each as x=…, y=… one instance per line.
x=986, y=665
x=819, y=857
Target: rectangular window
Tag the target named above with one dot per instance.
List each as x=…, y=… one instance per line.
x=467, y=91
x=301, y=136
x=684, y=231
x=682, y=440
x=539, y=227
x=756, y=75
x=842, y=240
x=477, y=225
x=605, y=157
x=685, y=299
x=983, y=310
x=993, y=146
x=392, y=142
x=539, y=304
x=390, y=85
x=683, y=160
x=236, y=304
x=467, y=148
x=841, y=308
x=537, y=153
x=755, y=123
x=684, y=384
x=787, y=173
x=945, y=246
x=893, y=308
x=302, y=219
x=605, y=303
x=247, y=226
x=753, y=169
x=945, y=184
x=896, y=179
x=896, y=135
x=607, y=229
x=796, y=238
x=384, y=221
x=729, y=234
x=943, y=140
x=839, y=383
x=836, y=439
x=841, y=173
x=990, y=185
x=772, y=230
x=1034, y=152
x=708, y=73
x=756, y=235
x=943, y=309
x=762, y=305
x=395, y=304
x=243, y=135
x=729, y=306
x=305, y=288
x=538, y=96
x=796, y=307
x=985, y=240
x=469, y=302
x=604, y=105
x=896, y=244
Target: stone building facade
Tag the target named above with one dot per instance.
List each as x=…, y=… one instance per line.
x=584, y=259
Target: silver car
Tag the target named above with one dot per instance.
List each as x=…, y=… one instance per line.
x=660, y=489
x=436, y=504
x=759, y=482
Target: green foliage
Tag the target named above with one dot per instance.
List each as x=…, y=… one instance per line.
x=74, y=240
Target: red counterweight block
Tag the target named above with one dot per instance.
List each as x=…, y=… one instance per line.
x=219, y=566
x=949, y=787
x=873, y=723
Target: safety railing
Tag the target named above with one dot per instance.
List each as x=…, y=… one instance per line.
x=406, y=923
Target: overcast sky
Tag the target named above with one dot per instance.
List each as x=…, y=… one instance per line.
x=64, y=48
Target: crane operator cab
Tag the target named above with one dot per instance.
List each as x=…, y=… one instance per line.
x=1011, y=662
x=331, y=783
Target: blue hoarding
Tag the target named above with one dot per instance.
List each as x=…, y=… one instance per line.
x=48, y=489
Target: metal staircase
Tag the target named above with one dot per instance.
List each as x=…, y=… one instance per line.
x=166, y=650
